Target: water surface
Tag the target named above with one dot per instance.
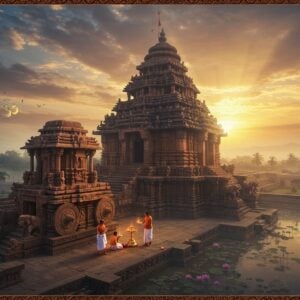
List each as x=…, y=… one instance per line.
x=268, y=264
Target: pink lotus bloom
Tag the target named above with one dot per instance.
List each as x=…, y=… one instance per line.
x=216, y=283
x=216, y=245
x=199, y=278
x=226, y=267
x=188, y=276
x=205, y=277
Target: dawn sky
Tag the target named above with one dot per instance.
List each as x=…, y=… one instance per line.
x=72, y=62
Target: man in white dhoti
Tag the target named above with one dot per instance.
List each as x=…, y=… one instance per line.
x=101, y=238
x=148, y=229
x=114, y=242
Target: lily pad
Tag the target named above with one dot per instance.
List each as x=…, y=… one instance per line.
x=215, y=271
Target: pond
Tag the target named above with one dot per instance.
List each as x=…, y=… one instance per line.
x=269, y=264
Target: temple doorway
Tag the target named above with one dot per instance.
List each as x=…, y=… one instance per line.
x=29, y=208
x=138, y=150
x=134, y=148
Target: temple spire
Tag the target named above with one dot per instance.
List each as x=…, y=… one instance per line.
x=162, y=36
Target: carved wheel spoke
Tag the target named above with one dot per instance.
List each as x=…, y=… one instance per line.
x=66, y=219
x=105, y=210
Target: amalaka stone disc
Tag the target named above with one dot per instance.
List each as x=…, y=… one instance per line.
x=66, y=219
x=105, y=210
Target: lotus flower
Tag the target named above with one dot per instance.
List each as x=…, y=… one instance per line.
x=188, y=276
x=199, y=278
x=216, y=283
x=216, y=245
x=205, y=277
x=226, y=267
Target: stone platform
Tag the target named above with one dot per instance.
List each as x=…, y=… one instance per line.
x=81, y=267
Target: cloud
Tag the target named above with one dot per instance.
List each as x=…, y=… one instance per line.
x=17, y=40
x=285, y=59
x=244, y=61
x=22, y=81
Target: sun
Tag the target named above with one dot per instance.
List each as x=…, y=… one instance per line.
x=227, y=125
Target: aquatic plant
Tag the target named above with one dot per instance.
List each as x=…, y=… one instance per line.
x=216, y=245
x=226, y=267
x=217, y=283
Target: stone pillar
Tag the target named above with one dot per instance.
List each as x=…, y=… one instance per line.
x=217, y=150
x=57, y=155
x=147, y=147
x=39, y=166
x=122, y=151
x=212, y=149
x=213, y=154
x=91, y=161
x=204, y=149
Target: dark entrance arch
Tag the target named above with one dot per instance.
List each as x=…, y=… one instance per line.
x=138, y=150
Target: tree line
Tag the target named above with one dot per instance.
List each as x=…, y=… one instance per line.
x=258, y=162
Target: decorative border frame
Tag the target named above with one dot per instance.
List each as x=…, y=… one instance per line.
x=170, y=297
x=148, y=297
x=149, y=1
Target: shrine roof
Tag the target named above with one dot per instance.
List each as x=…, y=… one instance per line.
x=62, y=134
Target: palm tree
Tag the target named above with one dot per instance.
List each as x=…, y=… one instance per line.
x=257, y=159
x=272, y=161
x=292, y=160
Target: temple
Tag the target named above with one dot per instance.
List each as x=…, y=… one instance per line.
x=161, y=147
x=61, y=200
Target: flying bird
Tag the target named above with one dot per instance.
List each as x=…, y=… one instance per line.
x=40, y=105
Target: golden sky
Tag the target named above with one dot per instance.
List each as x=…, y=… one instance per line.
x=72, y=62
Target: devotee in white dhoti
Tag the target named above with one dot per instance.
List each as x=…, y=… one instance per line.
x=148, y=229
x=114, y=242
x=101, y=238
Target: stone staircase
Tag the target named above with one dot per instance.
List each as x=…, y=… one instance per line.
x=121, y=182
x=120, y=177
x=11, y=245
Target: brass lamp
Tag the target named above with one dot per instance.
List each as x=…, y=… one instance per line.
x=131, y=242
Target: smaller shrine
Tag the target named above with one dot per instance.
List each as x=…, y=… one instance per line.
x=61, y=196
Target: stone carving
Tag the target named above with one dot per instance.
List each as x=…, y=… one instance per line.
x=228, y=168
x=105, y=210
x=232, y=192
x=66, y=219
x=30, y=224
x=29, y=177
x=249, y=192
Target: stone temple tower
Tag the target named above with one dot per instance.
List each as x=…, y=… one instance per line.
x=161, y=146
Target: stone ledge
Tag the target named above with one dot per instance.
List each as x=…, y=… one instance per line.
x=56, y=245
x=65, y=286
x=10, y=273
x=181, y=252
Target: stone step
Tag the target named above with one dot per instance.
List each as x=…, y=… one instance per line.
x=5, y=243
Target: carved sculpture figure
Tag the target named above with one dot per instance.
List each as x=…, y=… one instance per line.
x=30, y=224
x=232, y=191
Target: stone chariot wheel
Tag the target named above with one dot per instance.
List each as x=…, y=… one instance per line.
x=105, y=210
x=66, y=219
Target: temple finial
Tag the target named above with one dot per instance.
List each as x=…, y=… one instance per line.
x=162, y=36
